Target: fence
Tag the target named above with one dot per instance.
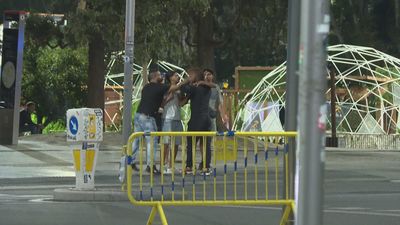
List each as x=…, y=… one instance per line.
x=369, y=141
x=248, y=168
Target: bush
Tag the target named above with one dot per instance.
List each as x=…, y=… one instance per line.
x=55, y=126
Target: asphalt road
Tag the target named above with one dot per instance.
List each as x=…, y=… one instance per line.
x=360, y=187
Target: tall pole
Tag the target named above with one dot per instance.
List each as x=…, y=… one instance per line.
x=312, y=111
x=128, y=69
x=333, y=108
x=292, y=87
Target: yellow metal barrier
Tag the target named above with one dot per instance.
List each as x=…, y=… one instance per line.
x=239, y=175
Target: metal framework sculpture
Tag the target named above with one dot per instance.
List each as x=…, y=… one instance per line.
x=115, y=83
x=367, y=84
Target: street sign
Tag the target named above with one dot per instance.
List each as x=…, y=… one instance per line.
x=73, y=125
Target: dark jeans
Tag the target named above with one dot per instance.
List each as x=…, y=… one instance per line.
x=198, y=123
x=29, y=127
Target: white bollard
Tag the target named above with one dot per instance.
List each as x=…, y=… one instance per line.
x=84, y=133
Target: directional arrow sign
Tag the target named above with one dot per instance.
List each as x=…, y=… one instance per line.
x=73, y=125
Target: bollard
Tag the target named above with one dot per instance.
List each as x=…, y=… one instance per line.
x=84, y=133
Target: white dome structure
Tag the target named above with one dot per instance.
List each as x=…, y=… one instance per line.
x=367, y=84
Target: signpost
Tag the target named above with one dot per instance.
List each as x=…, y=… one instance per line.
x=292, y=88
x=11, y=65
x=84, y=133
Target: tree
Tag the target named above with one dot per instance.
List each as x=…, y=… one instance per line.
x=100, y=26
x=55, y=79
x=368, y=23
x=54, y=75
x=226, y=33
x=219, y=34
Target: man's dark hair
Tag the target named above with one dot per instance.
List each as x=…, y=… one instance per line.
x=197, y=72
x=153, y=68
x=212, y=72
x=209, y=70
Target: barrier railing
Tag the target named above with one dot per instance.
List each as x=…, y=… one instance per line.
x=247, y=168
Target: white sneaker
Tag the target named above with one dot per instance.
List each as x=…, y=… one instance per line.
x=167, y=170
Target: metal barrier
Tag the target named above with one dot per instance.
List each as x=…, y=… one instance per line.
x=247, y=169
x=369, y=141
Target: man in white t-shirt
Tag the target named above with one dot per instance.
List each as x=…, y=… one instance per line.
x=171, y=121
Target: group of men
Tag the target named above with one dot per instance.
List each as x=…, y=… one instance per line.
x=164, y=98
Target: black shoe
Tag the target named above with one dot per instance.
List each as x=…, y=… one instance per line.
x=200, y=166
x=155, y=170
x=189, y=170
x=134, y=167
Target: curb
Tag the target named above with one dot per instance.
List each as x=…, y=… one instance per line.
x=99, y=194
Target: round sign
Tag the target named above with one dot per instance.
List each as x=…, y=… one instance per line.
x=8, y=74
x=73, y=125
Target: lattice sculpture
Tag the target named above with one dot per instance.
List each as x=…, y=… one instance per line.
x=367, y=94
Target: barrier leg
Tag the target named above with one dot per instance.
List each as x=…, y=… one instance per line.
x=152, y=215
x=157, y=208
x=286, y=214
x=162, y=214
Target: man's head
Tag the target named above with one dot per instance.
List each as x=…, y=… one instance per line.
x=155, y=76
x=195, y=74
x=154, y=73
x=30, y=106
x=208, y=75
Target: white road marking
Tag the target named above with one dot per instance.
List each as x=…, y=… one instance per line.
x=362, y=213
x=327, y=211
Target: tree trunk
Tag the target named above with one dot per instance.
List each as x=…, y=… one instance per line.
x=205, y=44
x=397, y=13
x=97, y=70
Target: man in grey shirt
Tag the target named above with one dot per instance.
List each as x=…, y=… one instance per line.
x=215, y=102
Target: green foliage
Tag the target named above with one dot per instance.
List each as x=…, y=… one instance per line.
x=390, y=72
x=232, y=32
x=42, y=31
x=55, y=79
x=103, y=18
x=160, y=30
x=354, y=119
x=254, y=34
x=366, y=23
x=135, y=106
x=55, y=126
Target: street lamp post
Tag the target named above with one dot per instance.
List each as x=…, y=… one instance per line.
x=128, y=69
x=314, y=27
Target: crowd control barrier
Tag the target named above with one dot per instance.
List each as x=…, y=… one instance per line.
x=247, y=168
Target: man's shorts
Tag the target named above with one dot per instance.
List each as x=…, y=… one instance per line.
x=175, y=126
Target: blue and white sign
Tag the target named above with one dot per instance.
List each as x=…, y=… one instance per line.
x=84, y=125
x=73, y=125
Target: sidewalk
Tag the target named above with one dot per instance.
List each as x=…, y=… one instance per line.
x=41, y=160
x=46, y=160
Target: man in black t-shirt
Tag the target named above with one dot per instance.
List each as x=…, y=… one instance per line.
x=144, y=119
x=198, y=92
